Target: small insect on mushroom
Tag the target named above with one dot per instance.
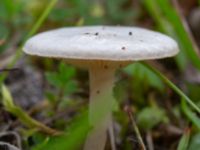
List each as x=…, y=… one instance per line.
x=96, y=33
x=130, y=33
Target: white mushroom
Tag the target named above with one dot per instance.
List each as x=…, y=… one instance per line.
x=102, y=50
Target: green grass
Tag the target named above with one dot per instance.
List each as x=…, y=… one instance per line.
x=168, y=20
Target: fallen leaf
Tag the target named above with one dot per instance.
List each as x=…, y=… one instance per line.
x=2, y=42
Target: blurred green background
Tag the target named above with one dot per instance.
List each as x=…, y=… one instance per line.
x=56, y=94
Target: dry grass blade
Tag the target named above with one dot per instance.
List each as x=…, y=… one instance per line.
x=25, y=119
x=130, y=115
x=8, y=70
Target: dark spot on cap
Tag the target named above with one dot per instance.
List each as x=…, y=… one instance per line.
x=123, y=48
x=97, y=91
x=130, y=33
x=105, y=66
x=96, y=33
x=141, y=40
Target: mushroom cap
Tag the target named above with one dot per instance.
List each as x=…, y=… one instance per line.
x=109, y=43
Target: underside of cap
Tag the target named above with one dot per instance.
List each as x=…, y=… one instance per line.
x=112, y=43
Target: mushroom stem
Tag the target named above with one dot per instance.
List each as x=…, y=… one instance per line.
x=100, y=107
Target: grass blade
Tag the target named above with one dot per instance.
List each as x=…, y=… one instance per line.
x=25, y=119
x=190, y=115
x=183, y=143
x=34, y=29
x=42, y=18
x=169, y=22
x=72, y=139
x=173, y=87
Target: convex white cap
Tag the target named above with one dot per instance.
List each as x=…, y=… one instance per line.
x=110, y=43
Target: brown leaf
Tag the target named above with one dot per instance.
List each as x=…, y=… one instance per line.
x=2, y=41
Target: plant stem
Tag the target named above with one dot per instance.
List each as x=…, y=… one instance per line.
x=112, y=136
x=100, y=107
x=137, y=131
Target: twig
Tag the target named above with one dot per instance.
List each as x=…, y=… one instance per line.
x=149, y=141
x=129, y=112
x=8, y=146
x=18, y=139
x=8, y=70
x=111, y=135
x=38, y=107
